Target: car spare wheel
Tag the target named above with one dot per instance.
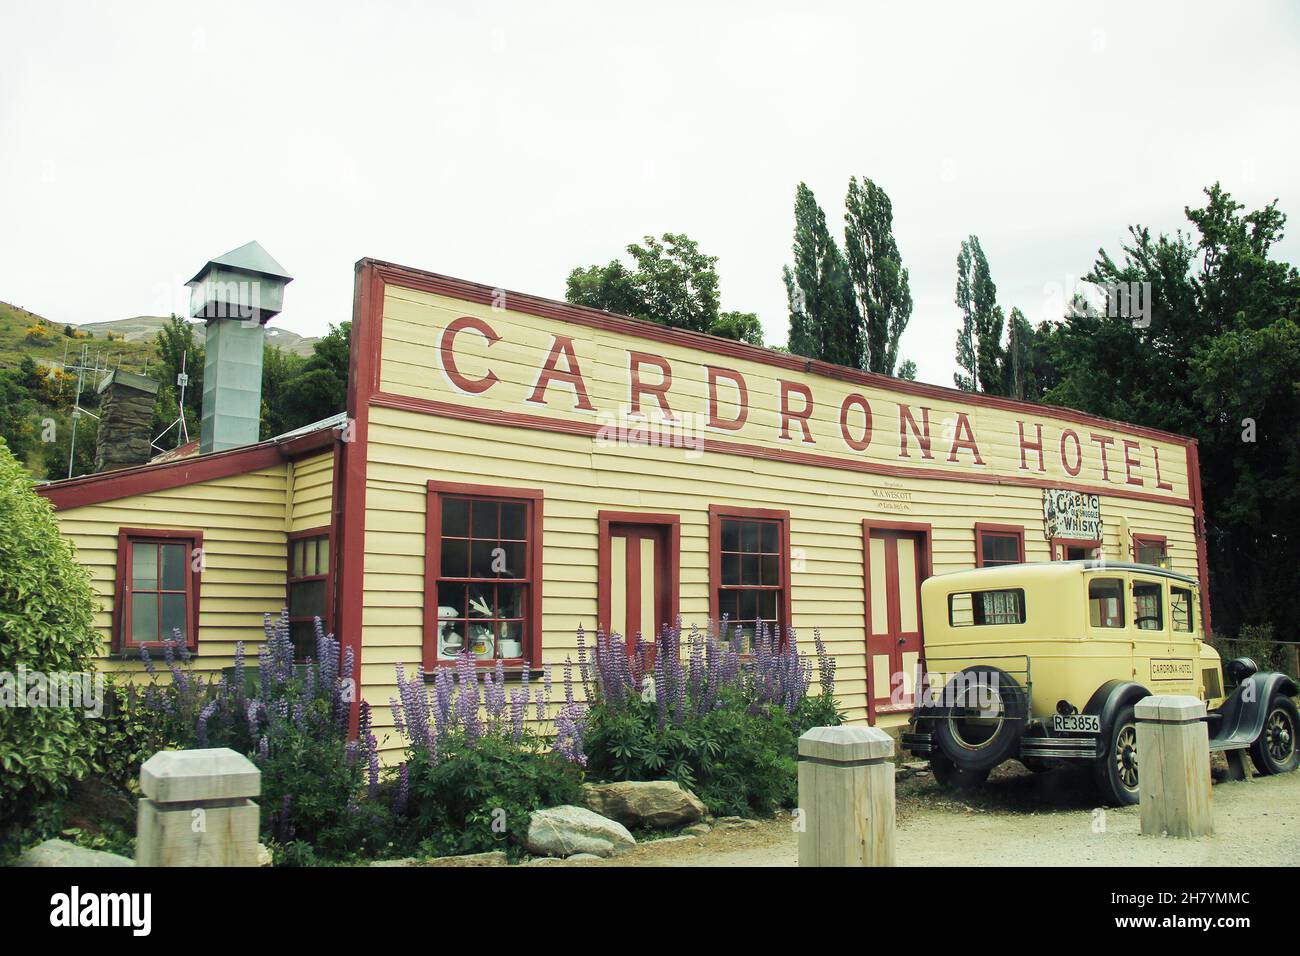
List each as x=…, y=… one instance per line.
x=985, y=720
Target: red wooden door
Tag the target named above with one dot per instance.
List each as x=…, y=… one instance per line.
x=640, y=580
x=896, y=563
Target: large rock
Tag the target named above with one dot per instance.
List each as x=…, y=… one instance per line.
x=644, y=803
x=564, y=831
x=61, y=853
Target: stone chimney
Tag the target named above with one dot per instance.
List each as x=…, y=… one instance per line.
x=125, y=420
x=236, y=295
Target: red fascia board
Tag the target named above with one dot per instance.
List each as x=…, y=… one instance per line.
x=142, y=479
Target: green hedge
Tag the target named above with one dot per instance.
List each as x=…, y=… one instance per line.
x=46, y=626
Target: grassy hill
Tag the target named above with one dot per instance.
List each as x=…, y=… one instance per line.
x=130, y=345
x=15, y=343
x=143, y=328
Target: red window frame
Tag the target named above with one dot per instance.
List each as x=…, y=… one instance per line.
x=719, y=513
x=1149, y=539
x=985, y=530
x=532, y=498
x=326, y=532
x=127, y=539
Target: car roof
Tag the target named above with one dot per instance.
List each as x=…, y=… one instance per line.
x=1041, y=571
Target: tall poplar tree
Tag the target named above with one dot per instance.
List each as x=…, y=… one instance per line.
x=824, y=319
x=884, y=295
x=980, y=354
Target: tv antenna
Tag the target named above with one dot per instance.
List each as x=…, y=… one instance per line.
x=81, y=368
x=183, y=434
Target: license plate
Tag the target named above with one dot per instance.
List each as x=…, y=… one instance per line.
x=1076, y=723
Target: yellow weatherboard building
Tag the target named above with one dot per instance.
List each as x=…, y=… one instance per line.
x=512, y=468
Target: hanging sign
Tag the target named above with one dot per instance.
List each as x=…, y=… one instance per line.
x=1071, y=514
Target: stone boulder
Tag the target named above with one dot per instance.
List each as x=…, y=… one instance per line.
x=564, y=831
x=61, y=853
x=661, y=804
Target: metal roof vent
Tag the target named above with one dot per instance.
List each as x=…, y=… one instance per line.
x=236, y=294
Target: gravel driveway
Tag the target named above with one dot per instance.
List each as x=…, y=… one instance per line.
x=1024, y=819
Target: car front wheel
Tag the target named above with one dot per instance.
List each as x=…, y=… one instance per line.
x=1274, y=750
x=1117, y=770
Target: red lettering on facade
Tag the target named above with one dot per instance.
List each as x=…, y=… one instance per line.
x=801, y=416
x=922, y=434
x=638, y=388
x=571, y=374
x=1078, y=452
x=1036, y=445
x=1103, y=443
x=447, y=347
x=1131, y=464
x=854, y=400
x=742, y=400
x=1160, y=482
x=968, y=443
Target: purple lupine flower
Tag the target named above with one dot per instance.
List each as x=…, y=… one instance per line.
x=568, y=682
x=204, y=716
x=584, y=674
x=264, y=749
x=371, y=748
x=403, y=788
x=540, y=701
x=518, y=704
x=569, y=726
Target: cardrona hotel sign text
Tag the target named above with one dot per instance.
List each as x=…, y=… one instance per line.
x=540, y=375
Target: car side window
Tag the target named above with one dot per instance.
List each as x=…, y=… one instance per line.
x=1148, y=606
x=1180, y=609
x=1106, y=602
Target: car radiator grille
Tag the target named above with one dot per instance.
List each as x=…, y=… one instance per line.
x=1210, y=678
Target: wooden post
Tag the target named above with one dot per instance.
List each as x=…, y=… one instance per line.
x=1173, y=767
x=196, y=809
x=846, y=797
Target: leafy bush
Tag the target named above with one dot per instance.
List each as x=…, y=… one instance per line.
x=291, y=720
x=719, y=724
x=46, y=627
x=1258, y=641
x=474, y=772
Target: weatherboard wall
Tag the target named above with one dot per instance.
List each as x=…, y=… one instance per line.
x=244, y=519
x=423, y=425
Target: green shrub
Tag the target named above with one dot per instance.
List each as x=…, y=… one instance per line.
x=723, y=725
x=46, y=626
x=479, y=798
x=474, y=772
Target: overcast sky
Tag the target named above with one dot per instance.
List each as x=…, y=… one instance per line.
x=507, y=143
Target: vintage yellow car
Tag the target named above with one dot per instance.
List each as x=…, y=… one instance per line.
x=1044, y=662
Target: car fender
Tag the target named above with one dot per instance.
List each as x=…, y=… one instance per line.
x=1111, y=697
x=1242, y=714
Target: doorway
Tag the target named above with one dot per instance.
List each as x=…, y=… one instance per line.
x=637, y=583
x=896, y=559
